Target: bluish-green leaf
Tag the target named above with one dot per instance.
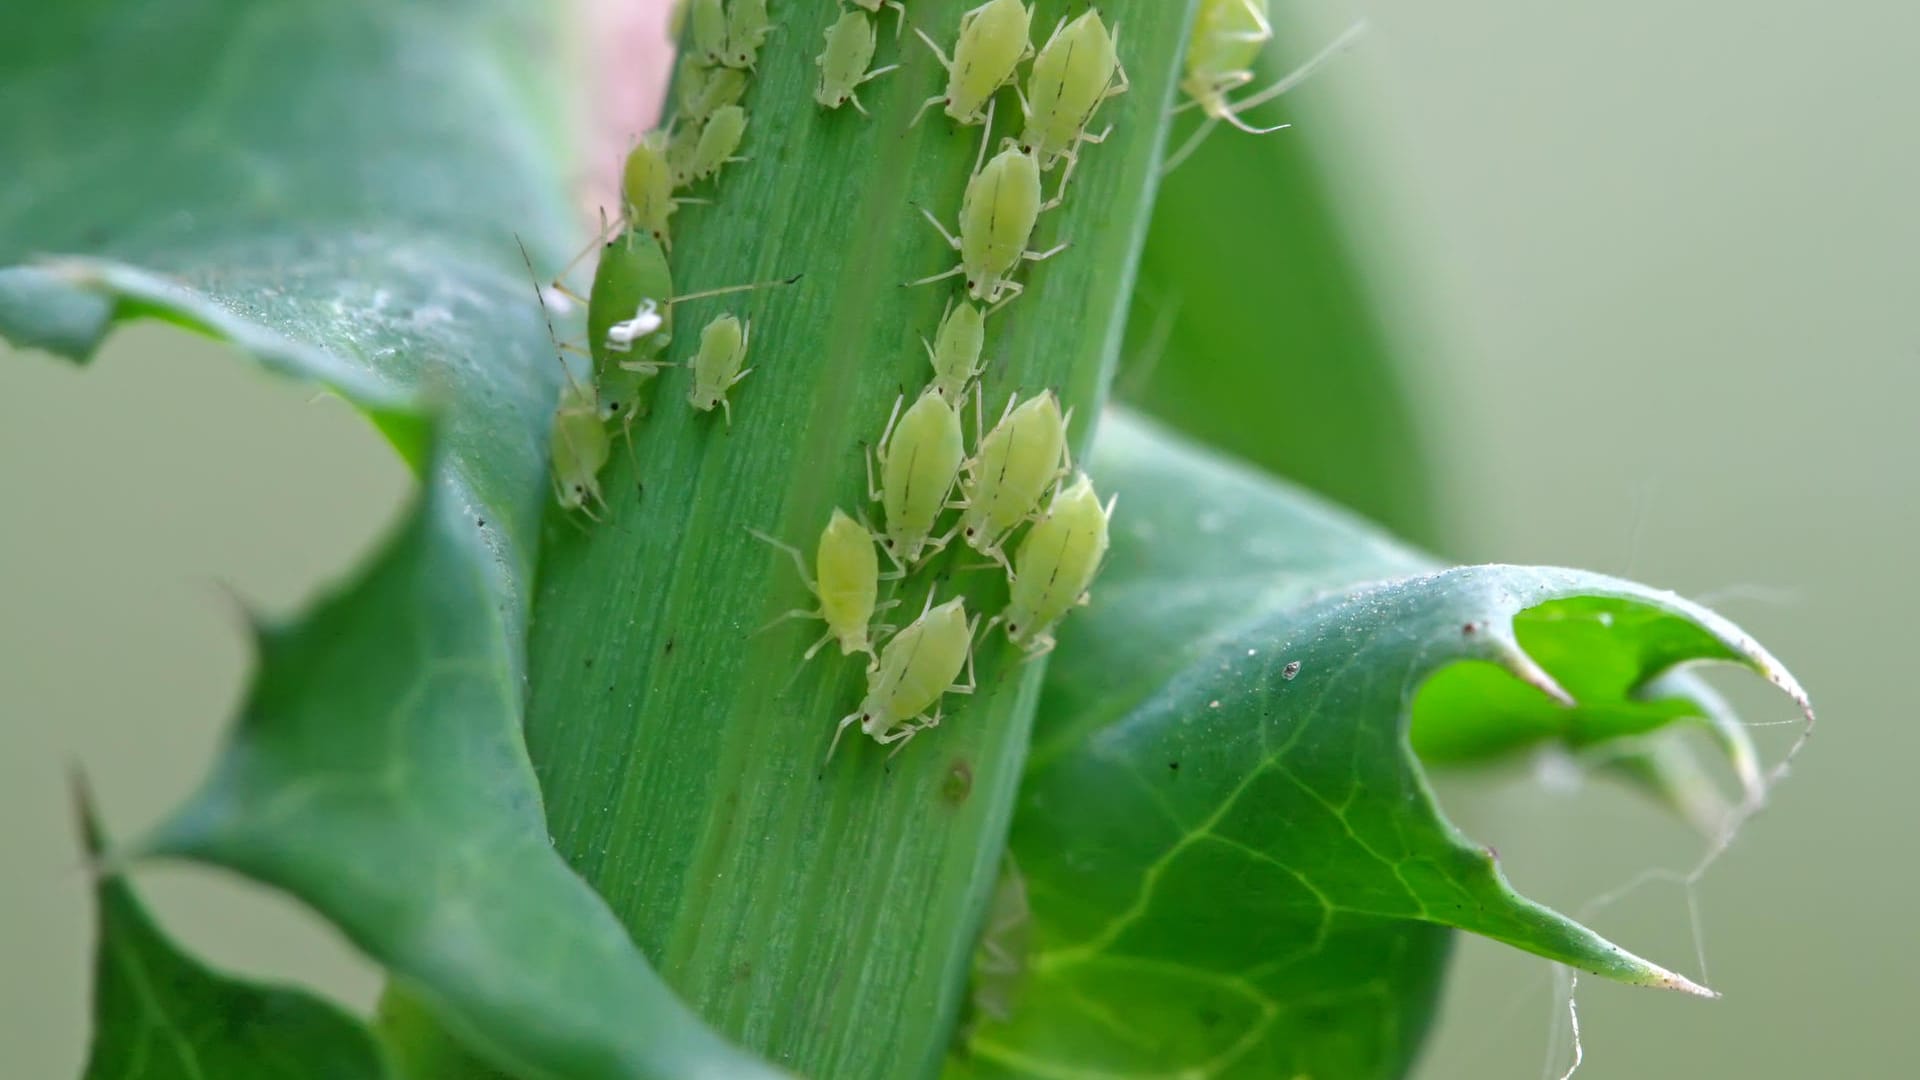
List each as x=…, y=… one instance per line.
x=1235, y=865
x=160, y=1014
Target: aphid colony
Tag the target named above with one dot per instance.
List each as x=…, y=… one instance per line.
x=1019, y=473
x=929, y=487
x=629, y=306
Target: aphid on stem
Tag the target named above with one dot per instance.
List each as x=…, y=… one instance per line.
x=915, y=670
x=717, y=366
x=578, y=446
x=846, y=587
x=919, y=455
x=843, y=63
x=1011, y=469
x=1001, y=205
x=747, y=29
x=1077, y=69
x=955, y=351
x=1228, y=35
x=1054, y=566
x=719, y=137
x=992, y=42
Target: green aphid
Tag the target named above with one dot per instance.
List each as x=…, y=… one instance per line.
x=919, y=455
x=747, y=30
x=1076, y=70
x=916, y=669
x=717, y=366
x=702, y=88
x=1054, y=565
x=719, y=137
x=843, y=63
x=955, y=352
x=578, y=447
x=709, y=21
x=997, y=215
x=847, y=586
x=992, y=42
x=1010, y=471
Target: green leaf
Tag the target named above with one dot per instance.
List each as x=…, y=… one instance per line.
x=822, y=915
x=1263, y=324
x=161, y=1014
x=1234, y=861
x=333, y=188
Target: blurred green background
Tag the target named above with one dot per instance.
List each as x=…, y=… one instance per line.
x=1656, y=267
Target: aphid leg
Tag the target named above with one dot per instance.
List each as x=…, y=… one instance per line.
x=814, y=649
x=1180, y=156
x=930, y=102
x=986, y=137
x=1036, y=256
x=1300, y=74
x=849, y=721
x=955, y=272
x=1012, y=288
x=1041, y=645
x=952, y=240
x=786, y=616
x=799, y=561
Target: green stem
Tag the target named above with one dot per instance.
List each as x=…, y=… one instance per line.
x=823, y=916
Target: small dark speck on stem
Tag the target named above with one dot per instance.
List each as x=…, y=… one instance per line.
x=1174, y=765
x=958, y=783
x=669, y=649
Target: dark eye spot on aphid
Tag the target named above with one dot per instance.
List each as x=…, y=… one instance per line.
x=1470, y=628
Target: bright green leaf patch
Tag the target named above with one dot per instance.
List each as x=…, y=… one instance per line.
x=161, y=1015
x=334, y=189
x=1234, y=861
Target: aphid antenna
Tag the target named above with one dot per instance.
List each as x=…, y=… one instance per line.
x=707, y=293
x=545, y=315
x=1300, y=74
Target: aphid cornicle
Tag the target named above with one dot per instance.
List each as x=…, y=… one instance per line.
x=920, y=454
x=843, y=63
x=992, y=42
x=719, y=137
x=955, y=352
x=847, y=585
x=1001, y=205
x=1076, y=70
x=1010, y=471
x=917, y=667
x=716, y=367
x=747, y=30
x=1054, y=565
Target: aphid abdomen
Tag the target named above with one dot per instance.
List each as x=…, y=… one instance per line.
x=719, y=138
x=646, y=183
x=578, y=448
x=1074, y=72
x=717, y=366
x=709, y=20
x=848, y=575
x=632, y=270
x=1011, y=470
x=1055, y=564
x=920, y=462
x=991, y=44
x=955, y=352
